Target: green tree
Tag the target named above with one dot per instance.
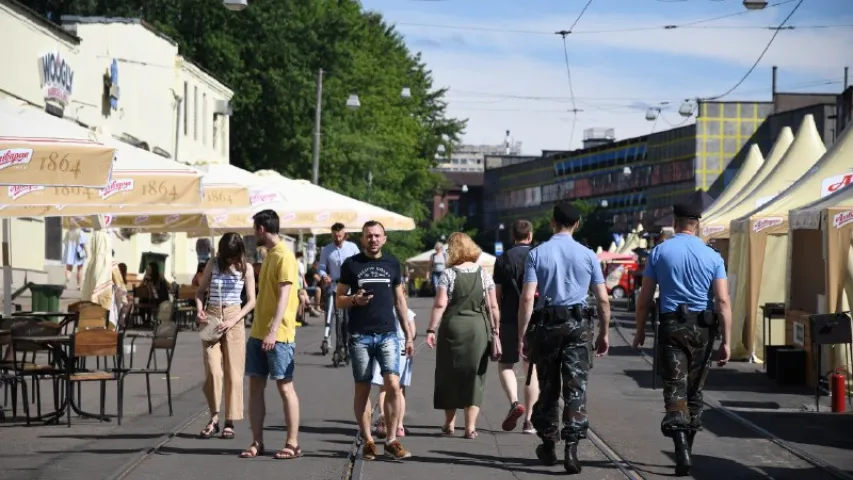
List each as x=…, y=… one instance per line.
x=269, y=55
x=594, y=228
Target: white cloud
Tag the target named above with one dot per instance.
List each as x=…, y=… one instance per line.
x=610, y=72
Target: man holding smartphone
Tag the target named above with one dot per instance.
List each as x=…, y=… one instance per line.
x=375, y=308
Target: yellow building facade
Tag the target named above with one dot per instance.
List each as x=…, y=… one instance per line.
x=117, y=77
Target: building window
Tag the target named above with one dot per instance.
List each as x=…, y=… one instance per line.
x=53, y=238
x=195, y=113
x=186, y=109
x=215, y=131
x=204, y=119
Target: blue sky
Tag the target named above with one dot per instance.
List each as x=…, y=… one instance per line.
x=505, y=67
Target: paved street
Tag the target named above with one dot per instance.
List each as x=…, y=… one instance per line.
x=625, y=414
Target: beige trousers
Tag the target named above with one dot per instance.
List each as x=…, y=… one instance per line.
x=225, y=360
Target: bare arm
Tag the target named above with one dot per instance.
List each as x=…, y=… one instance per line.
x=403, y=312
x=438, y=307
x=494, y=310
x=600, y=292
x=203, y=285
x=498, y=292
x=644, y=303
x=724, y=308
x=342, y=297
x=525, y=307
x=249, y=277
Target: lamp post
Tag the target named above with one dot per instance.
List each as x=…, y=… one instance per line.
x=755, y=4
x=353, y=103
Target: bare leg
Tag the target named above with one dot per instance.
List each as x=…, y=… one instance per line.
x=380, y=402
x=291, y=410
x=392, y=405
x=362, y=416
x=402, y=407
x=68, y=269
x=257, y=407
x=79, y=276
x=450, y=419
x=471, y=414
x=508, y=382
x=531, y=392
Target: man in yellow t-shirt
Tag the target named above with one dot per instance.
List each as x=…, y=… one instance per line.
x=271, y=346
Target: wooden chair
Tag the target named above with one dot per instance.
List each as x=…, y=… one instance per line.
x=92, y=317
x=96, y=343
x=76, y=306
x=165, y=339
x=143, y=306
x=185, y=307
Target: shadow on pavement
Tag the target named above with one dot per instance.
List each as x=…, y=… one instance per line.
x=312, y=430
x=823, y=429
x=622, y=351
x=517, y=465
x=713, y=468
x=113, y=436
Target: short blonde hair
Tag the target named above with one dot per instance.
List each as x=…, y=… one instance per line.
x=462, y=249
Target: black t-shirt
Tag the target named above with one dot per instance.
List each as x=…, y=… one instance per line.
x=510, y=266
x=309, y=276
x=381, y=275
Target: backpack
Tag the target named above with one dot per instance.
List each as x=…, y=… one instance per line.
x=511, y=272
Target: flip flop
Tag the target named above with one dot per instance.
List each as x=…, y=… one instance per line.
x=289, y=452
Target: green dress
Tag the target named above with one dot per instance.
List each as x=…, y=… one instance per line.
x=462, y=354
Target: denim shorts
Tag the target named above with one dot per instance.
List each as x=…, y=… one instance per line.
x=367, y=348
x=277, y=364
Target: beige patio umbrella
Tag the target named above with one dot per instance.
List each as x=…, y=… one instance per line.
x=37, y=152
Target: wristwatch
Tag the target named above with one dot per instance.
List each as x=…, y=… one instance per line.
x=429, y=330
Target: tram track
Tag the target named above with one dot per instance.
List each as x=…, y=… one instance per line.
x=139, y=459
x=710, y=402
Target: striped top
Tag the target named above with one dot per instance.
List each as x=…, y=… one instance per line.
x=230, y=284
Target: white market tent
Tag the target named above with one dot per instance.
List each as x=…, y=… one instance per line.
x=420, y=262
x=717, y=226
x=761, y=236
x=747, y=171
x=821, y=271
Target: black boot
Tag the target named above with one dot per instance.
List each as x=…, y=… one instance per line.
x=682, y=454
x=570, y=461
x=546, y=453
x=690, y=436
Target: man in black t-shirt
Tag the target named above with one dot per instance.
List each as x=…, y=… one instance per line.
x=509, y=276
x=375, y=308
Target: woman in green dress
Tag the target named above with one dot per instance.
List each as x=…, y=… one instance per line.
x=467, y=319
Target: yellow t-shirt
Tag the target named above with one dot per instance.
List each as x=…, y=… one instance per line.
x=279, y=267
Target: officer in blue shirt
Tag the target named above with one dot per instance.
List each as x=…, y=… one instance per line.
x=331, y=259
x=691, y=275
x=561, y=338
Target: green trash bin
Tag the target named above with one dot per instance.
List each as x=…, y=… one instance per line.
x=158, y=258
x=46, y=298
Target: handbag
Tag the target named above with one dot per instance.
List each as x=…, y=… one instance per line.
x=494, y=347
x=210, y=334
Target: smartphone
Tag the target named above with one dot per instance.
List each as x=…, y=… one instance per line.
x=367, y=293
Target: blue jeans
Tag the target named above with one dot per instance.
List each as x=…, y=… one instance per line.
x=277, y=364
x=435, y=276
x=366, y=348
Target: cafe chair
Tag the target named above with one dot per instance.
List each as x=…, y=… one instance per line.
x=165, y=340
x=185, y=307
x=29, y=363
x=100, y=342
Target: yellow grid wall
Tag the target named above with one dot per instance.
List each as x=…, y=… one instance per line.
x=722, y=129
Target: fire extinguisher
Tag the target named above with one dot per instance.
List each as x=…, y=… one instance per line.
x=838, y=389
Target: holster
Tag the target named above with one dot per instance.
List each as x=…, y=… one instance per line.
x=563, y=321
x=682, y=315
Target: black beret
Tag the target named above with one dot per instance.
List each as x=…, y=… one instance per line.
x=686, y=210
x=566, y=214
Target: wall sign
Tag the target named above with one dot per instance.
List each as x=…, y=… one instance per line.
x=835, y=183
x=57, y=78
x=798, y=332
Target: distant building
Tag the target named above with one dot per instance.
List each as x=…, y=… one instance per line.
x=471, y=158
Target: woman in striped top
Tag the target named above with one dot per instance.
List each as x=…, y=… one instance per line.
x=223, y=280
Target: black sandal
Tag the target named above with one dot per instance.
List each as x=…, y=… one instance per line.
x=255, y=450
x=211, y=429
x=228, y=432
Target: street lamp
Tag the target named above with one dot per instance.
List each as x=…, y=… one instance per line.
x=755, y=4
x=604, y=203
x=464, y=188
x=352, y=102
x=406, y=93
x=686, y=108
x=235, y=5
x=626, y=171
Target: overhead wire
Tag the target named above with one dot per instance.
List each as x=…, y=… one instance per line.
x=761, y=56
x=563, y=34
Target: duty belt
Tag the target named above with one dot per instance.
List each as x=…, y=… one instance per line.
x=682, y=316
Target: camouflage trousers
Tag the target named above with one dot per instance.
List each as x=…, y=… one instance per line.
x=562, y=365
x=684, y=360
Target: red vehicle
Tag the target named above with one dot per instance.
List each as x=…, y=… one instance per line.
x=619, y=278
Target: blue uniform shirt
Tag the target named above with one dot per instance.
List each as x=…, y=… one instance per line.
x=685, y=269
x=332, y=257
x=563, y=269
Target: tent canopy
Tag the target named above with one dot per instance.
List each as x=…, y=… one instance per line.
x=744, y=175
x=420, y=262
x=804, y=152
x=808, y=216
